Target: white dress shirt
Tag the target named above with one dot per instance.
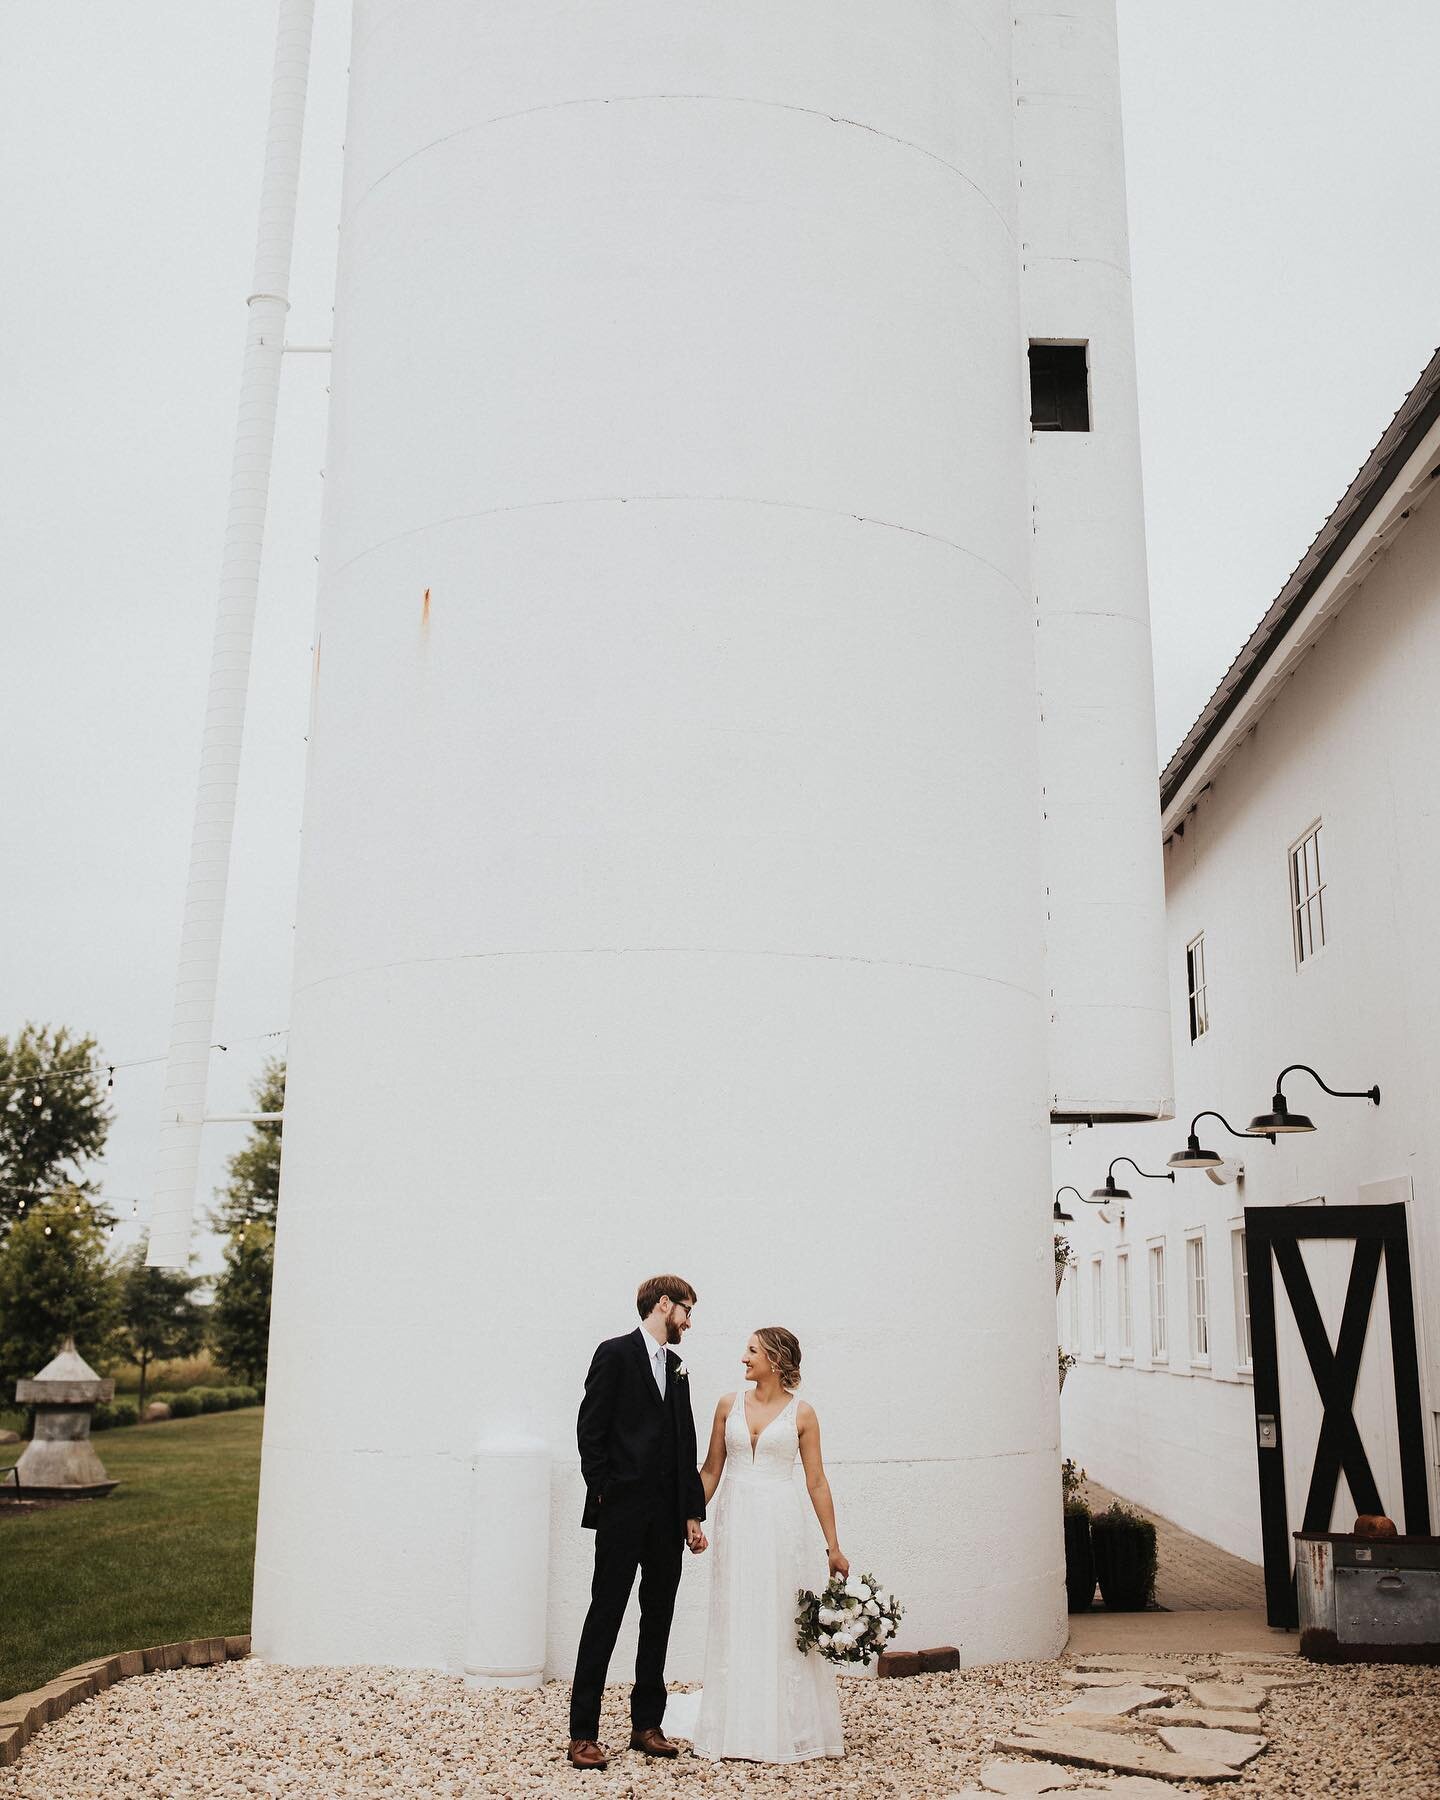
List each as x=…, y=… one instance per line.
x=656, y=1353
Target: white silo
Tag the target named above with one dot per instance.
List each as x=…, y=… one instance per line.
x=1104, y=882
x=671, y=892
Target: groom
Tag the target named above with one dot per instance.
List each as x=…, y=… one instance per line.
x=644, y=1502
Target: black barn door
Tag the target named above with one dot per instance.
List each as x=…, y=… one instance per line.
x=1375, y=1237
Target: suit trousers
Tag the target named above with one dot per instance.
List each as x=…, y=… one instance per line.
x=654, y=1543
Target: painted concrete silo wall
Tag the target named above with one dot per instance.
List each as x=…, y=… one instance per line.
x=1105, y=901
x=670, y=893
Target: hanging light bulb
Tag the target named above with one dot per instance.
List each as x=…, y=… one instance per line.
x=110, y=1079
x=37, y=1098
x=47, y=1231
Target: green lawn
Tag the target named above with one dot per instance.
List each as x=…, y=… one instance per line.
x=169, y=1555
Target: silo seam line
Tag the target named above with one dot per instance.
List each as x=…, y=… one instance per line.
x=878, y=962
x=813, y=112
x=832, y=512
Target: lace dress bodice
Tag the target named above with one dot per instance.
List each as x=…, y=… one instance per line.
x=776, y=1449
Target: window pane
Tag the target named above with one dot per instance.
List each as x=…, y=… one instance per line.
x=1157, y=1303
x=1242, y=1299
x=1199, y=1313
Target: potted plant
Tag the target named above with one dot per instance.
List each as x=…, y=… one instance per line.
x=1125, y=1557
x=1079, y=1556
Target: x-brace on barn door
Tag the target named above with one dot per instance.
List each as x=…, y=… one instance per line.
x=1273, y=1236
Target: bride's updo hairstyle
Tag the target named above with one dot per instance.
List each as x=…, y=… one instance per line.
x=783, y=1349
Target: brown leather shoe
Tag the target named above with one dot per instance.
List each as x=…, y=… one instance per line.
x=585, y=1753
x=653, y=1742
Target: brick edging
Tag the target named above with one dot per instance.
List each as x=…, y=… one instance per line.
x=944, y=1659
x=23, y=1715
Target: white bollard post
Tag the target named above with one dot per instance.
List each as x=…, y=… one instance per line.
x=509, y=1565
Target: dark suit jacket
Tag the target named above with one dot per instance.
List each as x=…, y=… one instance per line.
x=621, y=1432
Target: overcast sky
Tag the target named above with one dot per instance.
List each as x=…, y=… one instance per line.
x=1286, y=257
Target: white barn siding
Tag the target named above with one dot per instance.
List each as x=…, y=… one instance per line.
x=1353, y=739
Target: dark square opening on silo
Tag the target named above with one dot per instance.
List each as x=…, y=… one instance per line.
x=1059, y=387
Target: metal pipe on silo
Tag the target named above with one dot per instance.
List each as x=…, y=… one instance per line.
x=187, y=1071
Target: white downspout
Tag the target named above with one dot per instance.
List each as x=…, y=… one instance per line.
x=187, y=1073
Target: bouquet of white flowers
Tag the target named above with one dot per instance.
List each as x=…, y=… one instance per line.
x=850, y=1621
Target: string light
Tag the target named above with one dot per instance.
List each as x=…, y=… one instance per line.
x=19, y=1083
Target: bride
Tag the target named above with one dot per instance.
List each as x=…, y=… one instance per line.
x=763, y=1699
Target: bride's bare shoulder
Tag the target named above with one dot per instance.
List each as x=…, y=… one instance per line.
x=724, y=1403
x=805, y=1415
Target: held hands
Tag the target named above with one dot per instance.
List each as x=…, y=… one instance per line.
x=839, y=1563
x=695, y=1537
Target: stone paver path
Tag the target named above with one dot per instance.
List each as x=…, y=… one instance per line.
x=1193, y=1576
x=1139, y=1722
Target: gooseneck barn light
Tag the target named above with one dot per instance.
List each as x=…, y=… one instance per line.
x=1110, y=1192
x=1280, y=1117
x=1193, y=1157
x=1061, y=1216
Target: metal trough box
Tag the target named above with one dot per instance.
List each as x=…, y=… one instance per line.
x=1366, y=1599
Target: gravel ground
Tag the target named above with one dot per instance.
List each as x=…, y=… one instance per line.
x=246, y=1728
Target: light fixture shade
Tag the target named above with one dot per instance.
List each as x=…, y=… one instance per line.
x=1280, y=1121
x=1062, y=1217
x=1193, y=1157
x=1110, y=1192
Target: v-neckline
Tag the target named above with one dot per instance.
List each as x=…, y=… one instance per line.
x=745, y=1420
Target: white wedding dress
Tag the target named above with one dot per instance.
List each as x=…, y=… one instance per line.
x=763, y=1700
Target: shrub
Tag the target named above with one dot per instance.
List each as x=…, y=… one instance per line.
x=249, y=1396
x=212, y=1399
x=1126, y=1557
x=110, y=1413
x=1079, y=1558
x=175, y=1373
x=1072, y=1484
x=183, y=1406
x=234, y=1397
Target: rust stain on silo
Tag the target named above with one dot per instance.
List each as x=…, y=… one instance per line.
x=425, y=609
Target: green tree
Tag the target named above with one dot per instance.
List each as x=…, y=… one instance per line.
x=56, y=1281
x=159, y=1316
x=253, y=1190
x=240, y=1311
x=53, y=1116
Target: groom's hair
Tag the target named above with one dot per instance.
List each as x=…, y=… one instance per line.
x=663, y=1287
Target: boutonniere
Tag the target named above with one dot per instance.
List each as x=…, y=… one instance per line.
x=681, y=1371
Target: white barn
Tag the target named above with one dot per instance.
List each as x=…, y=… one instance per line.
x=1301, y=865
